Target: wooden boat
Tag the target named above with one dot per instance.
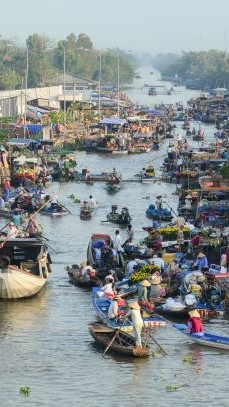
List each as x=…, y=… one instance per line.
x=85, y=214
x=113, y=186
x=24, y=267
x=117, y=218
x=183, y=313
x=101, y=305
x=93, y=282
x=207, y=339
x=123, y=342
x=57, y=211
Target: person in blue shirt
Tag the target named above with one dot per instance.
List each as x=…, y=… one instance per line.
x=201, y=261
x=99, y=244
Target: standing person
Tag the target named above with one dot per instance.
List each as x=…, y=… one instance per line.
x=54, y=200
x=143, y=294
x=118, y=248
x=195, y=323
x=180, y=238
x=92, y=202
x=6, y=189
x=113, y=308
x=17, y=218
x=159, y=202
x=137, y=322
x=130, y=235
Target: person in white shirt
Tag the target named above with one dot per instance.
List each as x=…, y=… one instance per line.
x=158, y=261
x=113, y=308
x=137, y=321
x=92, y=202
x=131, y=267
x=118, y=247
x=12, y=231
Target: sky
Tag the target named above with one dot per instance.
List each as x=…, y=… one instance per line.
x=151, y=26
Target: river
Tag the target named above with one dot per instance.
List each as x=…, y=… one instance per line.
x=44, y=341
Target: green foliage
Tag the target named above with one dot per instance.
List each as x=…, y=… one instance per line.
x=224, y=171
x=188, y=359
x=25, y=390
x=207, y=68
x=45, y=61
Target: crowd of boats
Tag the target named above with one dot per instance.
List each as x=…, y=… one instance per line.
x=181, y=266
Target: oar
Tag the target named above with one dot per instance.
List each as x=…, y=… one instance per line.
x=154, y=340
x=65, y=208
x=116, y=333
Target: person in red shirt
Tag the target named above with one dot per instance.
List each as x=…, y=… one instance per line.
x=195, y=241
x=194, y=322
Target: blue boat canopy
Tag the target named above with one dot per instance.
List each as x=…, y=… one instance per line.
x=113, y=121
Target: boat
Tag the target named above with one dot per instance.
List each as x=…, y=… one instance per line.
x=93, y=282
x=24, y=267
x=158, y=214
x=113, y=186
x=122, y=218
x=123, y=342
x=103, y=177
x=101, y=304
x=207, y=339
x=85, y=214
x=59, y=210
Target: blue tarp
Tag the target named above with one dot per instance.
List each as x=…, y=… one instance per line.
x=33, y=128
x=153, y=112
x=113, y=121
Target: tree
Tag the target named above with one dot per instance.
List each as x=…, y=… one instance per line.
x=84, y=42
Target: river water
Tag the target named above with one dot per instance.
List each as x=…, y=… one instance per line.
x=44, y=341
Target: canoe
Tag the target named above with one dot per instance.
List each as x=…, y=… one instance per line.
x=113, y=187
x=54, y=211
x=116, y=218
x=101, y=305
x=207, y=339
x=123, y=343
x=24, y=268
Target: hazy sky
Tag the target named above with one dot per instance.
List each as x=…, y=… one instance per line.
x=140, y=25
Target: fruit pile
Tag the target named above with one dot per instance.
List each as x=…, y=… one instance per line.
x=143, y=274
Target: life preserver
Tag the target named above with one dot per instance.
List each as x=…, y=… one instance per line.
x=4, y=262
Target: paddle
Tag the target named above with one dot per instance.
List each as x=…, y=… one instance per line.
x=154, y=340
x=116, y=333
x=65, y=208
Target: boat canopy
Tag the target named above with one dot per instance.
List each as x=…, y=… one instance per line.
x=113, y=121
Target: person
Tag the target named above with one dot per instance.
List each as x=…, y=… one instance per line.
x=98, y=244
x=92, y=202
x=159, y=202
x=125, y=216
x=135, y=314
x=201, y=261
x=54, y=200
x=131, y=267
x=155, y=289
x=180, y=237
x=180, y=221
x=158, y=261
x=110, y=277
x=12, y=231
x=118, y=248
x=156, y=239
x=32, y=227
x=6, y=189
x=143, y=292
x=188, y=202
x=130, y=235
x=2, y=202
x=109, y=289
x=195, y=241
x=195, y=323
x=113, y=308
x=116, y=175
x=17, y=218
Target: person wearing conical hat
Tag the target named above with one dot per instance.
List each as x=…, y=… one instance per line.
x=143, y=292
x=195, y=323
x=201, y=261
x=135, y=314
x=155, y=289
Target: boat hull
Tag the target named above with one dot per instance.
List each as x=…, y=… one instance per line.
x=16, y=284
x=207, y=339
x=123, y=343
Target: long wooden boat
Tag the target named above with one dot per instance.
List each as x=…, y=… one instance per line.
x=183, y=313
x=101, y=305
x=24, y=267
x=122, y=344
x=207, y=339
